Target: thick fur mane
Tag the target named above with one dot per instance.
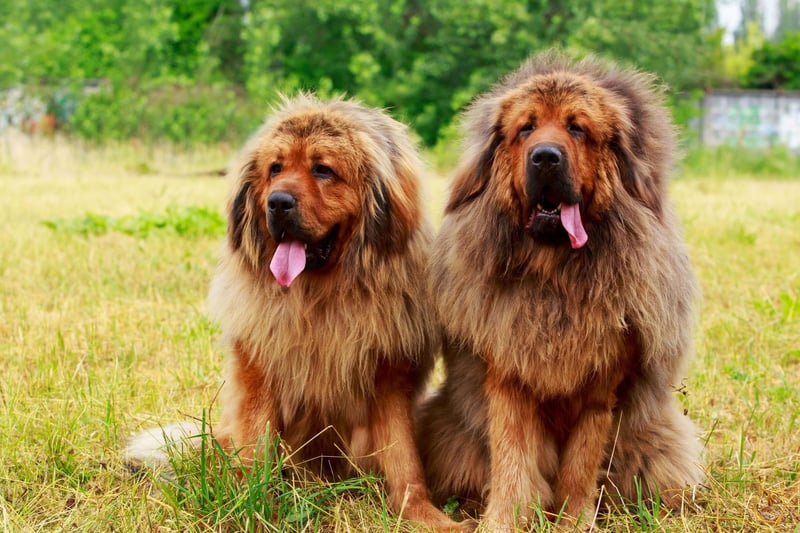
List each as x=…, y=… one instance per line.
x=323, y=349
x=580, y=298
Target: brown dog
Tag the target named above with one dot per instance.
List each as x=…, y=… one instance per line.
x=321, y=300
x=565, y=292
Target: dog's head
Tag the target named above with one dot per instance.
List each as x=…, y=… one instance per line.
x=321, y=184
x=557, y=143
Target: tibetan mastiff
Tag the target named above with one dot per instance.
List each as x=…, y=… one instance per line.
x=566, y=297
x=321, y=296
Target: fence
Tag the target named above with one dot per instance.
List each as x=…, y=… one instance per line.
x=751, y=119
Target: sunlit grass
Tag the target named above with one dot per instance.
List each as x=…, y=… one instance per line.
x=104, y=333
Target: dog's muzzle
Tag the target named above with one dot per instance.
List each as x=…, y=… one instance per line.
x=281, y=214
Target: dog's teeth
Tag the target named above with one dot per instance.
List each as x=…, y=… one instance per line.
x=540, y=208
x=305, y=247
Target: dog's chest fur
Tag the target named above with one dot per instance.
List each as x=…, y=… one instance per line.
x=318, y=353
x=558, y=328
x=550, y=341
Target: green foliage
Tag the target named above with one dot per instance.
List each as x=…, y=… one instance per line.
x=208, y=38
x=648, y=511
x=750, y=21
x=776, y=65
x=176, y=110
x=423, y=60
x=451, y=505
x=182, y=221
x=788, y=18
x=669, y=38
x=727, y=161
x=218, y=493
x=738, y=57
x=426, y=61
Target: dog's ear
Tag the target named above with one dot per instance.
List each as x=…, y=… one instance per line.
x=635, y=179
x=474, y=172
x=378, y=227
x=244, y=232
x=237, y=216
x=392, y=210
x=644, y=135
x=392, y=214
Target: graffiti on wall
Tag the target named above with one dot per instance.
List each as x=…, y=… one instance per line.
x=751, y=119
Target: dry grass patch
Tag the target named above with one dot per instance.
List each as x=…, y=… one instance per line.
x=104, y=333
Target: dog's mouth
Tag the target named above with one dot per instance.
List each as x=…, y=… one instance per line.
x=551, y=221
x=295, y=255
x=546, y=210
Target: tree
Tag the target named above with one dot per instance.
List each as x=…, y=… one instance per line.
x=737, y=58
x=426, y=60
x=776, y=65
x=751, y=17
x=208, y=37
x=422, y=59
x=670, y=38
x=788, y=18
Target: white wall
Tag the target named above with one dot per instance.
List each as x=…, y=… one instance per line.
x=751, y=119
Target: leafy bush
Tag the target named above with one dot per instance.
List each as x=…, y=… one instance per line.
x=726, y=161
x=183, y=221
x=776, y=65
x=177, y=111
x=200, y=70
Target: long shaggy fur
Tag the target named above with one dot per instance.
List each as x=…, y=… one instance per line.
x=556, y=356
x=333, y=362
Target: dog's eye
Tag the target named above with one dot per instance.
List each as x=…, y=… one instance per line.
x=322, y=172
x=526, y=130
x=275, y=169
x=575, y=130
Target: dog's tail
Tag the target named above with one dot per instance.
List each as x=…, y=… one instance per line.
x=154, y=447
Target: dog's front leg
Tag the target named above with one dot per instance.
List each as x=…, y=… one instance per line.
x=581, y=457
x=516, y=445
x=391, y=432
x=250, y=407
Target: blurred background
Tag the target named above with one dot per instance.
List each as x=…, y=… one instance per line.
x=195, y=72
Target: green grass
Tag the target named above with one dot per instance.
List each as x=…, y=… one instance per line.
x=103, y=332
x=210, y=490
x=723, y=161
x=180, y=221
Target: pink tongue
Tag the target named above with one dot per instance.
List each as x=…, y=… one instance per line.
x=287, y=263
x=571, y=220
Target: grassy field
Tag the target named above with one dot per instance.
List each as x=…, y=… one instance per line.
x=105, y=259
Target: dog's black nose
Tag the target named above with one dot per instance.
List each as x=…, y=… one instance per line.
x=281, y=203
x=546, y=155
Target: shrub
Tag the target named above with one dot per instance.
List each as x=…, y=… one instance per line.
x=175, y=111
